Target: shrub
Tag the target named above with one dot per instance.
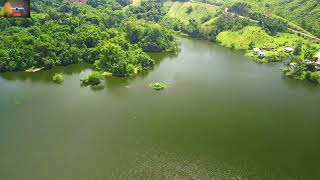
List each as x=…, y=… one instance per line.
x=315, y=77
x=251, y=45
x=158, y=86
x=93, y=79
x=189, y=10
x=58, y=78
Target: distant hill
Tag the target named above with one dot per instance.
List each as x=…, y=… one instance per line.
x=77, y=1
x=306, y=13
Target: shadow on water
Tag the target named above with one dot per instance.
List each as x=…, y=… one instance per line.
x=120, y=82
x=158, y=57
x=295, y=83
x=46, y=75
x=97, y=88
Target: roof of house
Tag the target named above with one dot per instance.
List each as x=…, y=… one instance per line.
x=256, y=49
x=288, y=49
x=293, y=64
x=307, y=61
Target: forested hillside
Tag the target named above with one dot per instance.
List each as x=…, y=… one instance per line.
x=306, y=13
x=99, y=32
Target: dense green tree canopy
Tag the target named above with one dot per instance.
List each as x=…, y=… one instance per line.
x=67, y=33
x=151, y=10
x=270, y=24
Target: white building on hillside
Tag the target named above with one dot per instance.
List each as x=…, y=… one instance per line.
x=289, y=49
x=258, y=52
x=318, y=61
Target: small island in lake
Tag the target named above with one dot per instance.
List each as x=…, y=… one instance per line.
x=92, y=79
x=158, y=86
x=58, y=78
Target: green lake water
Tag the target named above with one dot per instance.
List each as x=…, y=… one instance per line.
x=222, y=116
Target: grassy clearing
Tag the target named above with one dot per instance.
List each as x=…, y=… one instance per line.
x=273, y=46
x=136, y=2
x=242, y=38
x=253, y=34
x=199, y=10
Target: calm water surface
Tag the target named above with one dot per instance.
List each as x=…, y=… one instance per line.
x=221, y=117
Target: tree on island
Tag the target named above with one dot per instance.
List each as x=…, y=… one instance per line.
x=92, y=79
x=58, y=78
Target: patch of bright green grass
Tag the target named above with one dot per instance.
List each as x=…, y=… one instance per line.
x=211, y=22
x=242, y=38
x=288, y=39
x=253, y=34
x=136, y=2
x=199, y=10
